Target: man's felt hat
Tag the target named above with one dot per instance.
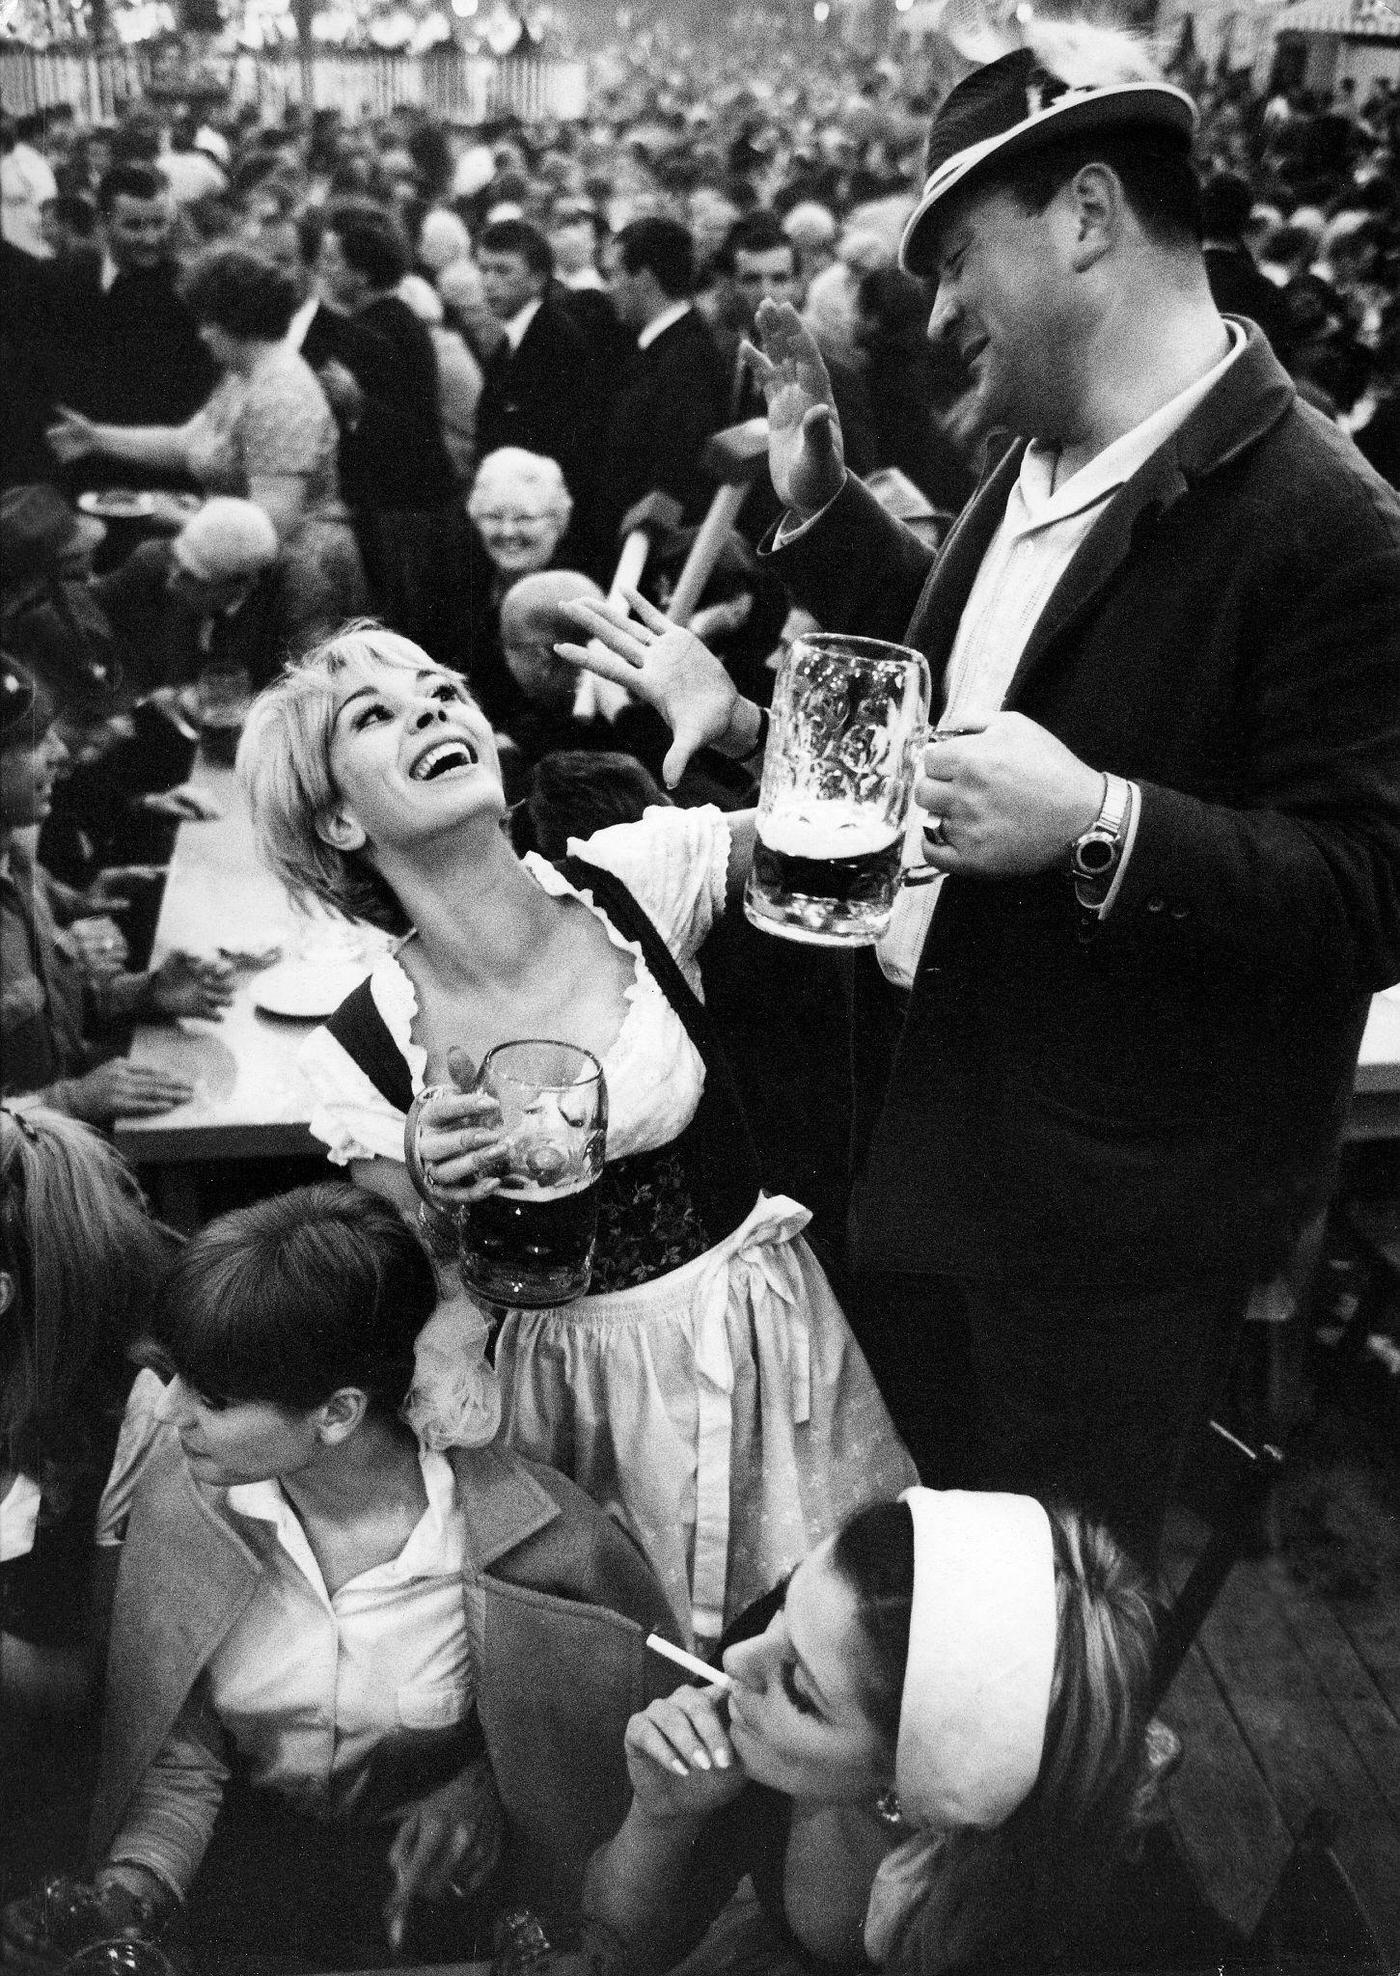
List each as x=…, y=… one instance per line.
x=1015, y=105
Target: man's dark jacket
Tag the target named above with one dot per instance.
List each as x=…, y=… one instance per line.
x=1140, y=1106
x=544, y=397
x=131, y=355
x=668, y=400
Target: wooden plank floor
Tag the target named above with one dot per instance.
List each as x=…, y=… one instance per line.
x=1290, y=1701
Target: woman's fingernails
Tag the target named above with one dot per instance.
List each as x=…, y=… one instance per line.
x=722, y=1759
x=701, y=1760
x=681, y=1769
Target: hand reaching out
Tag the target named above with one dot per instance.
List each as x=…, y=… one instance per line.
x=450, y=1843
x=662, y=664
x=184, y=984
x=72, y=436
x=805, y=454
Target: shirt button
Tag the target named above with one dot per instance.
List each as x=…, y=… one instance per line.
x=1156, y=904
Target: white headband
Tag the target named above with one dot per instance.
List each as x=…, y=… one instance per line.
x=981, y=1657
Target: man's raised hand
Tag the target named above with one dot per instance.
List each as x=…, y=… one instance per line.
x=805, y=456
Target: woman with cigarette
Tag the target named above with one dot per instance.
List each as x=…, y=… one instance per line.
x=707, y=1391
x=929, y=1755
x=377, y=1685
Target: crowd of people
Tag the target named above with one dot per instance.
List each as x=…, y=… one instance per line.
x=482, y=479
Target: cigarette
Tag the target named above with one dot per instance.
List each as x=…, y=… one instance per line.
x=689, y=1662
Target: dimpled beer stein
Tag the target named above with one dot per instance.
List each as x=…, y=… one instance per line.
x=529, y=1243
x=838, y=777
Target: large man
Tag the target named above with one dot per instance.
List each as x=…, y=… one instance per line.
x=1167, y=634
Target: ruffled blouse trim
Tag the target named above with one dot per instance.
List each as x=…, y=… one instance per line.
x=396, y=998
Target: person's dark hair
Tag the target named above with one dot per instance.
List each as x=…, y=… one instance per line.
x=136, y=140
x=574, y=791
x=520, y=238
x=292, y=1299
x=665, y=248
x=1226, y=203
x=430, y=151
x=83, y=1257
x=371, y=240
x=758, y=232
x=896, y=304
x=76, y=212
x=241, y=294
x=132, y=179
x=1158, y=178
x=874, y=1553
x=310, y=224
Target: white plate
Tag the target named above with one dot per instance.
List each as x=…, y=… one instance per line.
x=308, y=990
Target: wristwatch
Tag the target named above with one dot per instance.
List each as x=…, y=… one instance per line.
x=1094, y=856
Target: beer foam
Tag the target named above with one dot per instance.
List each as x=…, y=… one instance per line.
x=827, y=830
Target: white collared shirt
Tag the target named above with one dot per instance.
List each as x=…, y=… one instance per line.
x=660, y=324
x=302, y=321
x=109, y=273
x=313, y=1689
x=515, y=329
x=1043, y=529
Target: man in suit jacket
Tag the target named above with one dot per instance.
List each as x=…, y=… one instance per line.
x=395, y=466
x=541, y=389
x=670, y=393
x=1165, y=637
x=123, y=346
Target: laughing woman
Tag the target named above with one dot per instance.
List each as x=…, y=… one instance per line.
x=708, y=1392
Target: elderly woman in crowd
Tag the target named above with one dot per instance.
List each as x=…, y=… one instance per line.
x=266, y=435
x=709, y=1391
x=376, y=1686
x=927, y=1756
x=520, y=507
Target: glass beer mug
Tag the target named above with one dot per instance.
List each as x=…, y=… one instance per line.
x=838, y=778
x=529, y=1244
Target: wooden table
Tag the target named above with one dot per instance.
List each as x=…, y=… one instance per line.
x=250, y=1101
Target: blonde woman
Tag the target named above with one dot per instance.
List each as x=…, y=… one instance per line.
x=709, y=1392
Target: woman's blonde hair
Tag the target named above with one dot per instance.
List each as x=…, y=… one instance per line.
x=284, y=765
x=84, y=1258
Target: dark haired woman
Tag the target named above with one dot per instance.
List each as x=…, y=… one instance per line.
x=397, y=1655
x=266, y=434
x=928, y=1757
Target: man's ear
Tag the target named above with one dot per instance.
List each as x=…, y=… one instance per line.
x=1099, y=209
x=340, y=830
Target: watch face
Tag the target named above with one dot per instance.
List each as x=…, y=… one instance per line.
x=1095, y=855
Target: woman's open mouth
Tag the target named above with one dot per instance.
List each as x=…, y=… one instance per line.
x=443, y=758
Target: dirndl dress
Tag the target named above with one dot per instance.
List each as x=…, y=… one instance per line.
x=708, y=1391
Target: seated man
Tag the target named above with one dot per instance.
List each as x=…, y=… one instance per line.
x=565, y=710
x=207, y=596
x=52, y=1009
x=360, y=1692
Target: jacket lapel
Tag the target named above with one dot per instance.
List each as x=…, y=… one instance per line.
x=501, y=1502
x=1251, y=398
x=940, y=608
